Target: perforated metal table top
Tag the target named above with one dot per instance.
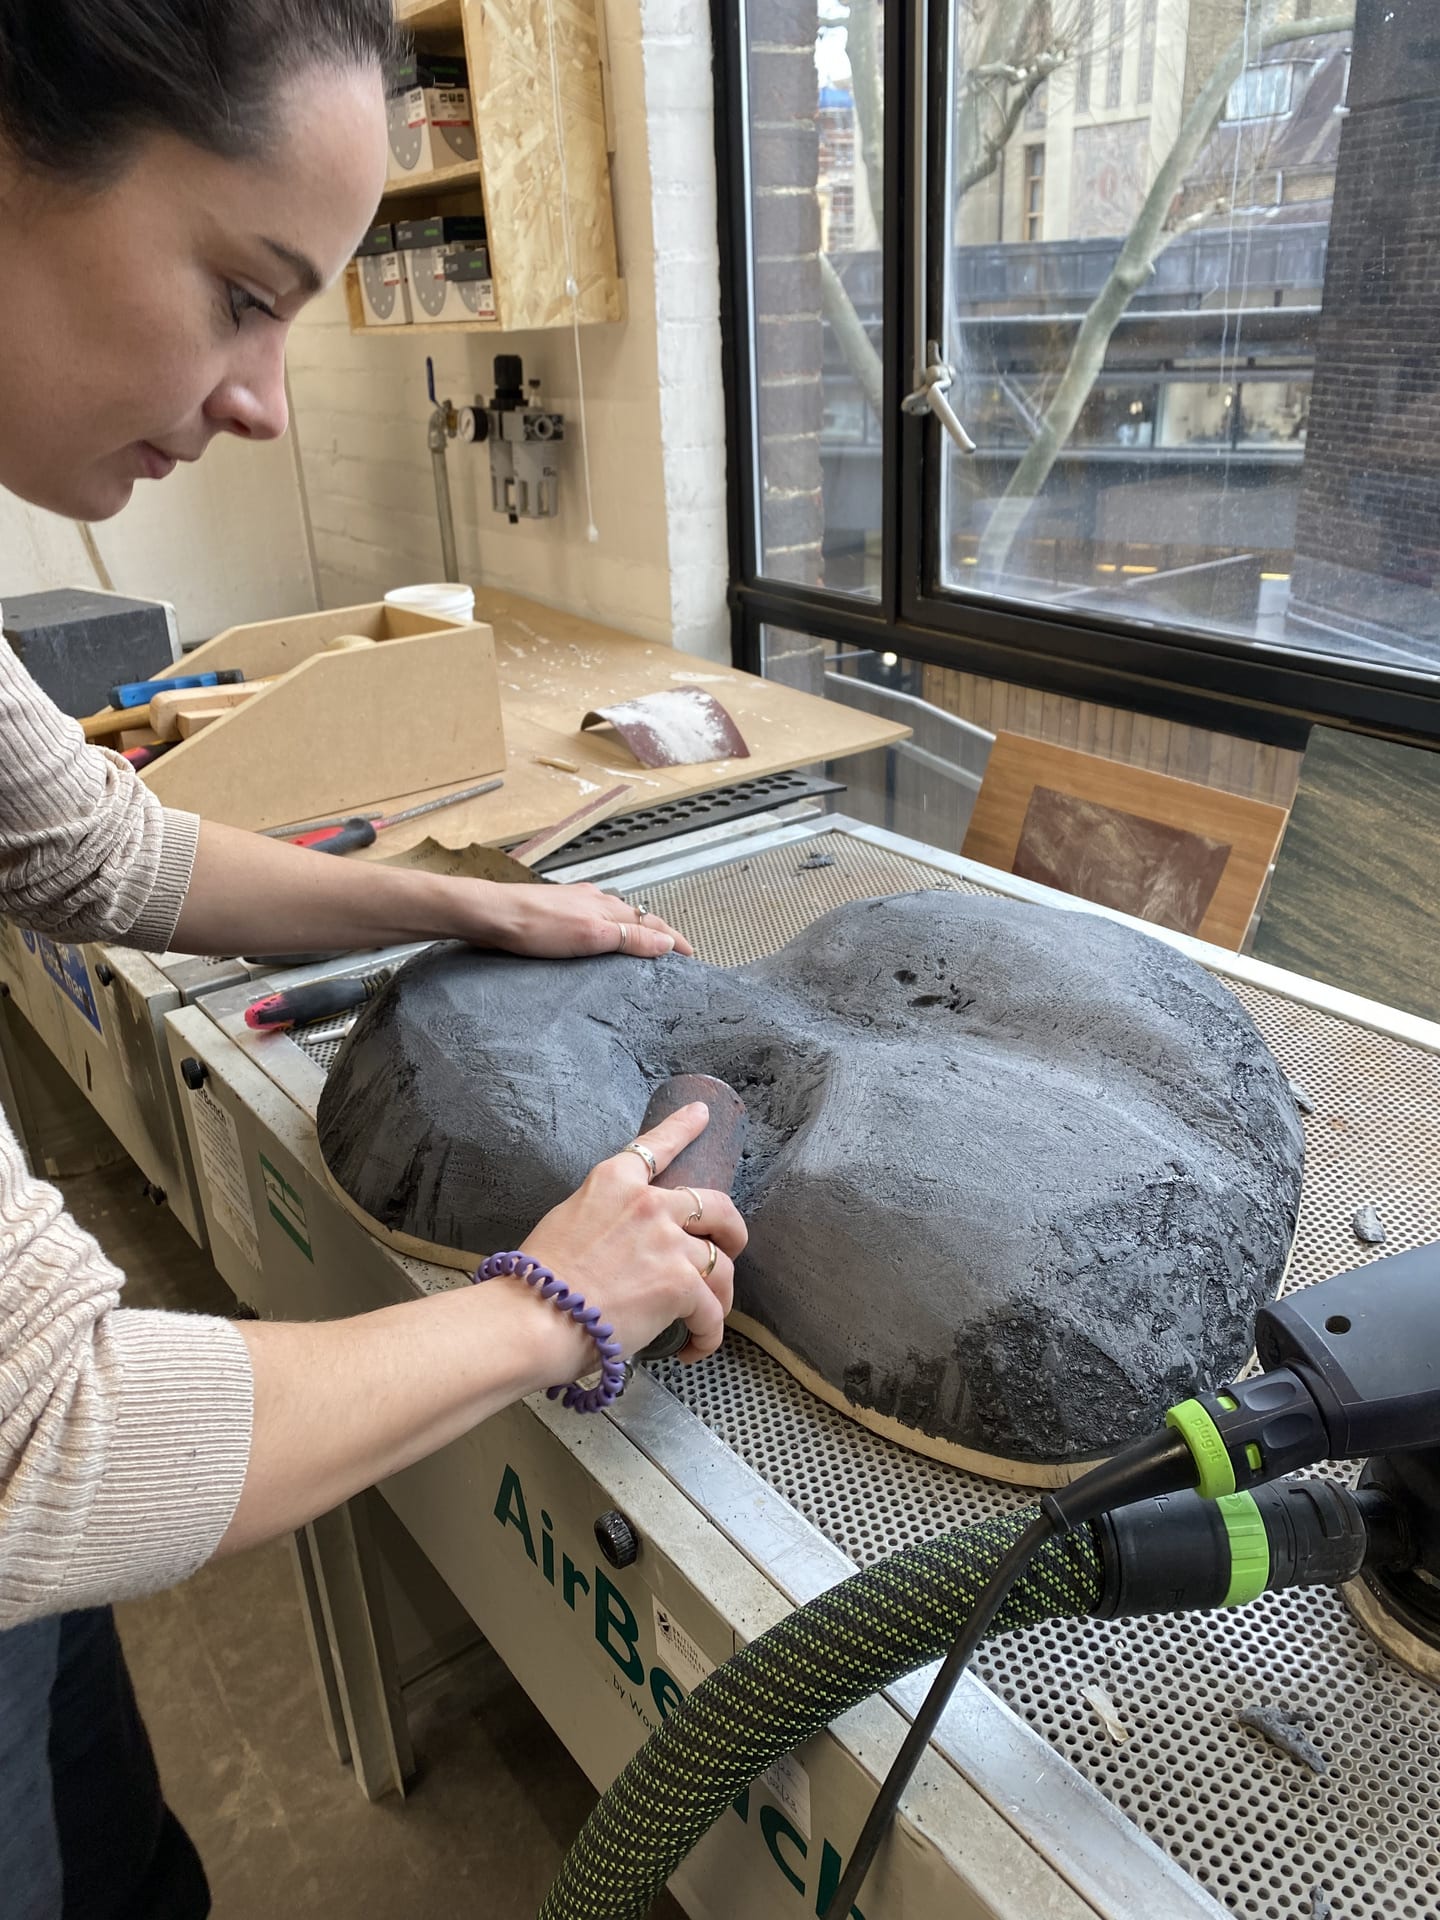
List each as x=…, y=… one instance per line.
x=1264, y=1836
x=1259, y=1831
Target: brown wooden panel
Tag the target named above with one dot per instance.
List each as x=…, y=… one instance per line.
x=1166, y=850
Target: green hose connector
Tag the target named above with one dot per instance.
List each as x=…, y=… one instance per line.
x=780, y=1691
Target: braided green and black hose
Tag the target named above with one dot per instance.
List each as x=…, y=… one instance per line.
x=796, y=1678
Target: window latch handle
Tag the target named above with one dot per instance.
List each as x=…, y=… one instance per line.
x=929, y=397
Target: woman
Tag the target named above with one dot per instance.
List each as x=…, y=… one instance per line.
x=177, y=178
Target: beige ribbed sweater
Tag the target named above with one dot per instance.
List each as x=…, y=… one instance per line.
x=124, y=1436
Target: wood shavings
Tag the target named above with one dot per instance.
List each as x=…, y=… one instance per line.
x=1280, y=1729
x=1104, y=1709
x=816, y=860
x=560, y=766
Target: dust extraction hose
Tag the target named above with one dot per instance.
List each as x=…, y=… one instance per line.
x=780, y=1690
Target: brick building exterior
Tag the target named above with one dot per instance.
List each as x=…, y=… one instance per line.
x=1367, y=546
x=785, y=211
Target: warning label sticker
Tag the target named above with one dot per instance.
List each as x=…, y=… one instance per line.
x=218, y=1140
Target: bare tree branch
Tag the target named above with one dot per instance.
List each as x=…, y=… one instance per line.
x=1143, y=245
x=1027, y=81
x=862, y=44
x=1020, y=67
x=851, y=337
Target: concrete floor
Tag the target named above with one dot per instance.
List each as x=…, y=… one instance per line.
x=223, y=1673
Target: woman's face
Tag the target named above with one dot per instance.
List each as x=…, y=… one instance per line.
x=144, y=317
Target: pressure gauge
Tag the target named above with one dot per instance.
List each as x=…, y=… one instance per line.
x=473, y=425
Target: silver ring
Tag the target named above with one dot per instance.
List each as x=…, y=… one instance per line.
x=640, y=911
x=645, y=1154
x=699, y=1213
x=714, y=1257
x=624, y=936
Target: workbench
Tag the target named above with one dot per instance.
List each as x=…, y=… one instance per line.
x=556, y=667
x=100, y=1010
x=748, y=1496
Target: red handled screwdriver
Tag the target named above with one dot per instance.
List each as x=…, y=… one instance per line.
x=314, y=1000
x=344, y=836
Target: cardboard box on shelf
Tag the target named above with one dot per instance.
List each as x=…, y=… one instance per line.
x=467, y=270
x=429, y=246
x=384, y=281
x=431, y=128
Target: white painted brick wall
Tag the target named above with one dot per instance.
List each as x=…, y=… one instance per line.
x=653, y=391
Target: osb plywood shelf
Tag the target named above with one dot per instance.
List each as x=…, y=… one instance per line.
x=429, y=15
x=443, y=179
x=529, y=157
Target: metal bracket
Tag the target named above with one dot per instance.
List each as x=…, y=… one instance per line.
x=929, y=397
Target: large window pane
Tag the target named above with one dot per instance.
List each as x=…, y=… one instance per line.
x=1193, y=320
x=925, y=786
x=817, y=203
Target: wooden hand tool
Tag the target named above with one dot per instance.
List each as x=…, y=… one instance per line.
x=168, y=709
x=170, y=704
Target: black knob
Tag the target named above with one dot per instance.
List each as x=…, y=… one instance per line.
x=194, y=1073
x=155, y=1195
x=618, y=1540
x=509, y=378
x=105, y=975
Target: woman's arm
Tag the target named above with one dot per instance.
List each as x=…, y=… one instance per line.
x=134, y=1445
x=88, y=853
x=340, y=1405
x=252, y=895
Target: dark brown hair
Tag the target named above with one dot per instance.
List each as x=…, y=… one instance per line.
x=82, y=80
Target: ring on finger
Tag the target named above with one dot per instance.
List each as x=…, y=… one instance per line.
x=640, y=911
x=624, y=936
x=714, y=1257
x=645, y=1154
x=699, y=1213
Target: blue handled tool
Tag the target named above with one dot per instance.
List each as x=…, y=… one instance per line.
x=139, y=693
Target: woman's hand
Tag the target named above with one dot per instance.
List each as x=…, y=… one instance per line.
x=573, y=922
x=633, y=1251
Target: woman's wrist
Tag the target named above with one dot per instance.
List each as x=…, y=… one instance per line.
x=549, y=1349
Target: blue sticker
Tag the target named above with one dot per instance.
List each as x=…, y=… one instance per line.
x=66, y=967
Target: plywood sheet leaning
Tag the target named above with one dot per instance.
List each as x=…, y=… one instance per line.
x=1169, y=851
x=520, y=154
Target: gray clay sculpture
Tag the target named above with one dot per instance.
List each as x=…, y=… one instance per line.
x=1017, y=1178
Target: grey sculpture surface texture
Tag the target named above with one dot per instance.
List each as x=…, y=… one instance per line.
x=1016, y=1177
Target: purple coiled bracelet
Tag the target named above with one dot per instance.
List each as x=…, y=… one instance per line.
x=611, y=1383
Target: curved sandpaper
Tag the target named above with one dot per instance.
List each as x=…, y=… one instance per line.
x=1016, y=1177
x=711, y=1161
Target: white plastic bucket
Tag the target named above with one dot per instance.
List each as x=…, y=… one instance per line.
x=444, y=598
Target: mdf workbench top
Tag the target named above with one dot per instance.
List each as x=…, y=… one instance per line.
x=556, y=667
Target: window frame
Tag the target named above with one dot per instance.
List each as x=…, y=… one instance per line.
x=1230, y=684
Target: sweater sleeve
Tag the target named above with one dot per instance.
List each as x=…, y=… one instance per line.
x=86, y=850
x=124, y=1436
